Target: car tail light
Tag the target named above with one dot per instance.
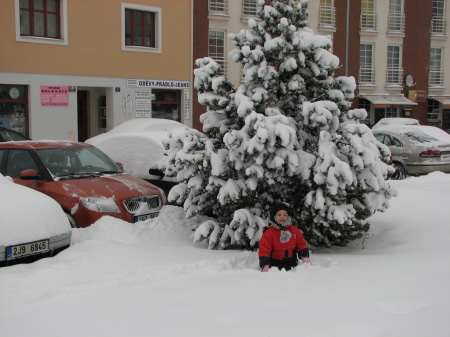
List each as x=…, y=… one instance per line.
x=430, y=153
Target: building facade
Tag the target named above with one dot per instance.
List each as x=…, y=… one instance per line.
x=395, y=49
x=72, y=69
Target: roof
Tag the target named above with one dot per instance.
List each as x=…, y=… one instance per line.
x=444, y=99
x=387, y=99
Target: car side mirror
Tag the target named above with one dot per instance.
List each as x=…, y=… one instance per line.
x=156, y=172
x=120, y=165
x=29, y=175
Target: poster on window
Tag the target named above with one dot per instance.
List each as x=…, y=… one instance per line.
x=54, y=95
x=143, y=101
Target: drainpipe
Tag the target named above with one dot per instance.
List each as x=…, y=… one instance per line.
x=347, y=37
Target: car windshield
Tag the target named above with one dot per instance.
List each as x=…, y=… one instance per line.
x=420, y=137
x=77, y=162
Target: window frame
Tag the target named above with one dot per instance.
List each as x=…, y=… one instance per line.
x=394, y=69
x=221, y=59
x=435, y=68
x=157, y=33
x=218, y=7
x=366, y=70
x=249, y=8
x=63, y=27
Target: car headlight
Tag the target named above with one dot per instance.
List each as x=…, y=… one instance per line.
x=100, y=204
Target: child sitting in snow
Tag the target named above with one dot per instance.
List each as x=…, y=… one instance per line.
x=282, y=241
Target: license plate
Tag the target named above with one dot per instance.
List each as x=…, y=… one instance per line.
x=26, y=249
x=145, y=217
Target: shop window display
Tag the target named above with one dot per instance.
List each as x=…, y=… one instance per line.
x=13, y=107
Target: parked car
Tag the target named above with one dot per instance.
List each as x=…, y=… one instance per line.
x=395, y=121
x=32, y=224
x=137, y=144
x=82, y=179
x=413, y=151
x=7, y=135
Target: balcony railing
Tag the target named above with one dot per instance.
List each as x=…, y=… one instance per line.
x=394, y=76
x=327, y=16
x=396, y=23
x=368, y=22
x=436, y=78
x=366, y=75
x=438, y=25
x=219, y=7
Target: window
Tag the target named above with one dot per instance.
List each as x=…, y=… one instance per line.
x=368, y=16
x=14, y=107
x=366, y=69
x=218, y=7
x=216, y=48
x=141, y=26
x=249, y=7
x=394, y=73
x=391, y=112
x=433, y=110
x=396, y=22
x=18, y=161
x=327, y=14
x=41, y=21
x=439, y=22
x=40, y=18
x=365, y=104
x=436, y=76
x=166, y=104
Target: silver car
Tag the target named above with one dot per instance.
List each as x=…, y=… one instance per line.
x=414, y=152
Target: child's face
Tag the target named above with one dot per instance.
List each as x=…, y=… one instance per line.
x=281, y=216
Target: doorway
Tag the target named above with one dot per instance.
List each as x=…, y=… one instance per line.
x=83, y=123
x=379, y=113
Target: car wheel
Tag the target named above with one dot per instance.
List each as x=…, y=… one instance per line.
x=399, y=173
x=72, y=221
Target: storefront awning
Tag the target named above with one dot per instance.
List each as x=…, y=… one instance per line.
x=387, y=100
x=443, y=99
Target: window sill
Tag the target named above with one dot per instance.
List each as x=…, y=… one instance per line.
x=368, y=31
x=142, y=49
x=218, y=16
x=439, y=36
x=44, y=40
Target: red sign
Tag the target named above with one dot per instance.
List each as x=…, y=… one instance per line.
x=54, y=95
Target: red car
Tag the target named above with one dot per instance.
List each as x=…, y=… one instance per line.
x=82, y=179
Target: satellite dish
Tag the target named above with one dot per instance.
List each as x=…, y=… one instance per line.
x=409, y=81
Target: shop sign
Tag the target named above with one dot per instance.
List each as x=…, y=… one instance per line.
x=417, y=95
x=159, y=84
x=143, y=104
x=127, y=104
x=381, y=105
x=54, y=95
x=186, y=104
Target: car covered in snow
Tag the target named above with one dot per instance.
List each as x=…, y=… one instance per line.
x=416, y=149
x=395, y=121
x=32, y=224
x=82, y=179
x=137, y=144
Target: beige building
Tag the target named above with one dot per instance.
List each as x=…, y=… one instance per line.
x=71, y=69
x=395, y=49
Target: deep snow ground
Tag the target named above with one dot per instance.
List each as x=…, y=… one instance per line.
x=149, y=279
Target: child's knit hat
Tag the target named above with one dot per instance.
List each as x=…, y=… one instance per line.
x=277, y=207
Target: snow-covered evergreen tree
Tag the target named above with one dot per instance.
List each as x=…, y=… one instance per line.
x=286, y=134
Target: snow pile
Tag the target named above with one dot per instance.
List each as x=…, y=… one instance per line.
x=151, y=279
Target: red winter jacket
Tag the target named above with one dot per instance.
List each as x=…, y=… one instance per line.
x=270, y=245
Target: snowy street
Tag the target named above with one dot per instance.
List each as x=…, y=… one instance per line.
x=149, y=279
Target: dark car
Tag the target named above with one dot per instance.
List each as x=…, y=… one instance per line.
x=82, y=179
x=7, y=135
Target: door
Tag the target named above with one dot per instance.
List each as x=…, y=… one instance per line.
x=82, y=115
x=379, y=113
x=446, y=119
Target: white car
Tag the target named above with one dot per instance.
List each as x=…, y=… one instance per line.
x=32, y=224
x=395, y=121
